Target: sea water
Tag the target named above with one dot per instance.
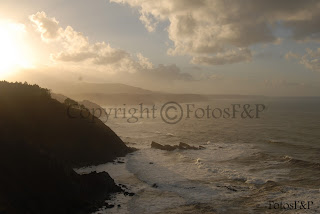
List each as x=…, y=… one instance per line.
x=259, y=165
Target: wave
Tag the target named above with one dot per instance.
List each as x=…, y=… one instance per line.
x=301, y=163
x=284, y=142
x=278, y=141
x=291, y=144
x=252, y=158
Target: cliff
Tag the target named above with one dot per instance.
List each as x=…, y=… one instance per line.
x=39, y=145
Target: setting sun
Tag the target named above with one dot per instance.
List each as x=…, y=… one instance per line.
x=13, y=49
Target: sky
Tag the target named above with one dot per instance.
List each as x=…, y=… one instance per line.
x=183, y=46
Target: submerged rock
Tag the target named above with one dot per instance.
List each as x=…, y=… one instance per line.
x=128, y=193
x=187, y=146
x=119, y=161
x=181, y=145
x=159, y=146
x=108, y=206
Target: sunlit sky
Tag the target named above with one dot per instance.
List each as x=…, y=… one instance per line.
x=213, y=47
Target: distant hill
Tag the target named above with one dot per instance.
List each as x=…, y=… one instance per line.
x=108, y=94
x=135, y=99
x=91, y=106
x=117, y=94
x=103, y=88
x=114, y=94
x=60, y=97
x=39, y=146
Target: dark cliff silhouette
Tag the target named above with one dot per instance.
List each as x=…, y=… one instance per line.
x=39, y=145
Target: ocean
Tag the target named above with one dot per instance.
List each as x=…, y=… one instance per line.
x=269, y=164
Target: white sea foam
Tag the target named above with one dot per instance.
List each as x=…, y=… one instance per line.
x=184, y=177
x=237, y=164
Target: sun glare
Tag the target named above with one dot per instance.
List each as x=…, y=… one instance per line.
x=13, y=48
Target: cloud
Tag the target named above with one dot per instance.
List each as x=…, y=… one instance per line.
x=144, y=61
x=77, y=51
x=229, y=57
x=76, y=48
x=291, y=55
x=166, y=73
x=209, y=30
x=159, y=78
x=48, y=27
x=310, y=60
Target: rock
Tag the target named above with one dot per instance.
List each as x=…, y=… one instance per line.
x=123, y=186
x=120, y=161
x=155, y=185
x=186, y=146
x=150, y=162
x=108, y=206
x=128, y=193
x=119, y=205
x=231, y=188
x=130, y=143
x=181, y=146
x=99, y=180
x=159, y=146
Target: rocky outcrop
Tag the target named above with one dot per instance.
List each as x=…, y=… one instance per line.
x=33, y=182
x=171, y=148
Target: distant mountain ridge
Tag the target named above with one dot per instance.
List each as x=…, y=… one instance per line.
x=117, y=94
x=103, y=88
